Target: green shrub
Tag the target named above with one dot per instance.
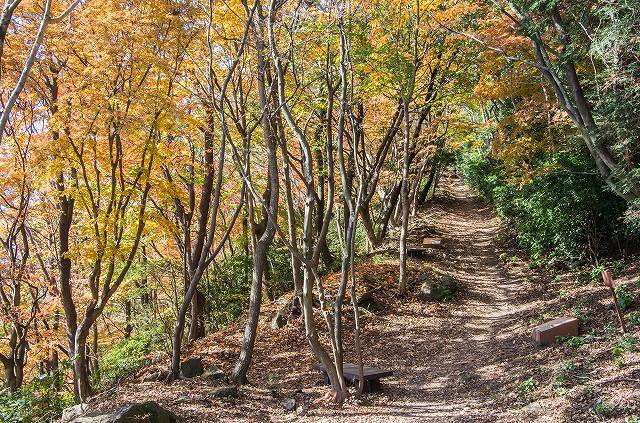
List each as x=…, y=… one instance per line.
x=602, y=408
x=563, y=211
x=280, y=277
x=623, y=345
x=596, y=272
x=573, y=341
x=633, y=318
x=618, y=267
x=527, y=387
x=41, y=400
x=625, y=298
x=226, y=286
x=129, y=355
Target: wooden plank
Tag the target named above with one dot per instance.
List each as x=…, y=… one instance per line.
x=432, y=242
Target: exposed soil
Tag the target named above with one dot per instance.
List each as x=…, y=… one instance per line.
x=471, y=359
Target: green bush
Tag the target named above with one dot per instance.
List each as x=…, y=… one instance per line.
x=527, y=387
x=624, y=297
x=129, y=355
x=565, y=211
x=634, y=318
x=226, y=287
x=280, y=277
x=41, y=400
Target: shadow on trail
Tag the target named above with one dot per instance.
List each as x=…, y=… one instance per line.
x=452, y=361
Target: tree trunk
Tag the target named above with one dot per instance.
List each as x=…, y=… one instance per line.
x=424, y=193
x=198, y=309
x=80, y=367
x=404, y=201
x=260, y=253
x=246, y=352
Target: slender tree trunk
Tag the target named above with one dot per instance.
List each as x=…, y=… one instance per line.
x=390, y=209
x=424, y=193
x=296, y=264
x=246, y=352
x=404, y=201
x=260, y=254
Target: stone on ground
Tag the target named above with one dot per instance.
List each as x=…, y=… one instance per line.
x=226, y=391
x=191, y=367
x=214, y=373
x=289, y=404
x=442, y=290
x=150, y=412
x=71, y=413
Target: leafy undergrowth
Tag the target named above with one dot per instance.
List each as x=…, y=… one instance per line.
x=591, y=377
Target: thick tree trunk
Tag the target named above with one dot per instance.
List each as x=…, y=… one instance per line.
x=81, y=368
x=10, y=378
x=13, y=364
x=198, y=309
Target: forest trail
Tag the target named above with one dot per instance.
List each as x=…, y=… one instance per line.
x=451, y=363
x=458, y=361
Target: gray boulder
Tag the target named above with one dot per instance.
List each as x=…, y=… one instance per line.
x=71, y=413
x=191, y=367
x=213, y=373
x=149, y=412
x=444, y=289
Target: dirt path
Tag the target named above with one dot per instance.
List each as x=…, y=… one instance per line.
x=460, y=361
x=451, y=361
x=454, y=361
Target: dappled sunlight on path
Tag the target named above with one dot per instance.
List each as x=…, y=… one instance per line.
x=451, y=363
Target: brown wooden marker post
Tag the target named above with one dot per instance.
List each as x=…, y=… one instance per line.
x=608, y=282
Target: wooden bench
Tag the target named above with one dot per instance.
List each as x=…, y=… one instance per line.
x=422, y=250
x=351, y=373
x=432, y=242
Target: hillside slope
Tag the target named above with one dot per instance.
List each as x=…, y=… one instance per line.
x=471, y=359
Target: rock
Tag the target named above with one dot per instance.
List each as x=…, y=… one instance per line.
x=71, y=413
x=226, y=392
x=279, y=320
x=289, y=404
x=535, y=408
x=367, y=301
x=214, y=373
x=149, y=411
x=443, y=290
x=156, y=376
x=191, y=367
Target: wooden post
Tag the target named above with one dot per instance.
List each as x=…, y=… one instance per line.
x=608, y=282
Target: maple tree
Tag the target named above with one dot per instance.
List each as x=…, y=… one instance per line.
x=146, y=159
